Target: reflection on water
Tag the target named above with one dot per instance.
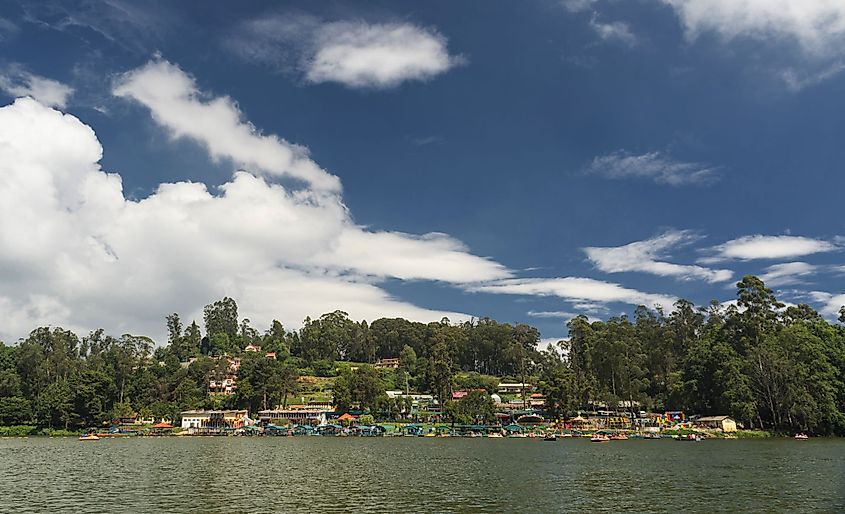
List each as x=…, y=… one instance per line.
x=312, y=474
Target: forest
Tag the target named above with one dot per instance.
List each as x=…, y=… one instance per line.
x=767, y=365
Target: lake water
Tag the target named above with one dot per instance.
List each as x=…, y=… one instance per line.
x=324, y=474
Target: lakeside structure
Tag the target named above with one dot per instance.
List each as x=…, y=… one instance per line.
x=214, y=420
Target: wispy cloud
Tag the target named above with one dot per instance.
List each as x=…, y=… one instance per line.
x=17, y=81
x=768, y=247
x=831, y=303
x=578, y=5
x=356, y=54
x=645, y=256
x=788, y=273
x=8, y=30
x=564, y=315
x=654, y=166
x=797, y=80
x=614, y=31
x=575, y=289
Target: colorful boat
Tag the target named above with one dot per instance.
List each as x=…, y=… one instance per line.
x=89, y=437
x=618, y=437
x=690, y=438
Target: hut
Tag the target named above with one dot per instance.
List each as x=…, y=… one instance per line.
x=723, y=423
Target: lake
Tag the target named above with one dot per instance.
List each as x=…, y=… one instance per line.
x=325, y=474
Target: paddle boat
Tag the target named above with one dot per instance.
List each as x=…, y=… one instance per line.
x=690, y=438
x=89, y=437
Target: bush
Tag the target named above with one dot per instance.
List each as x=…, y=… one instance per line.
x=17, y=431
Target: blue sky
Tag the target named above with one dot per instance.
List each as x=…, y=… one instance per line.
x=526, y=161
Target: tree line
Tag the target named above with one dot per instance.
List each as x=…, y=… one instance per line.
x=767, y=365
x=54, y=378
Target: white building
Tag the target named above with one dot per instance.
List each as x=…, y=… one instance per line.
x=213, y=419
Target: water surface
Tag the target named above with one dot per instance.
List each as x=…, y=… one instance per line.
x=324, y=474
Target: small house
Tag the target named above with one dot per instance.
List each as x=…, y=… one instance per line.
x=723, y=423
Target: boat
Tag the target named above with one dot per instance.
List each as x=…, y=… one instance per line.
x=89, y=437
x=690, y=438
x=495, y=434
x=801, y=437
x=651, y=435
x=599, y=438
x=550, y=437
x=618, y=437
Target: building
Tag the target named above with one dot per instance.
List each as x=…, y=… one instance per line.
x=723, y=423
x=293, y=416
x=224, y=386
x=252, y=348
x=391, y=363
x=506, y=387
x=537, y=400
x=193, y=420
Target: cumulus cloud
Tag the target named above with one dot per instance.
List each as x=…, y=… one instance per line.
x=818, y=26
x=644, y=256
x=575, y=289
x=77, y=252
x=787, y=273
x=353, y=53
x=176, y=103
x=16, y=81
x=769, y=247
x=654, y=166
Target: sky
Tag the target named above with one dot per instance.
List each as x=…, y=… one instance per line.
x=525, y=161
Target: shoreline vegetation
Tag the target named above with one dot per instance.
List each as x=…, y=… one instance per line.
x=768, y=368
x=538, y=432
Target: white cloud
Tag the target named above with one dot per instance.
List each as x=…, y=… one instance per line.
x=575, y=289
x=564, y=315
x=550, y=342
x=77, y=252
x=818, y=26
x=176, y=103
x=8, y=30
x=381, y=56
x=787, y=273
x=797, y=80
x=578, y=5
x=356, y=54
x=643, y=256
x=769, y=247
x=16, y=81
x=614, y=31
x=552, y=314
x=653, y=166
x=831, y=303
